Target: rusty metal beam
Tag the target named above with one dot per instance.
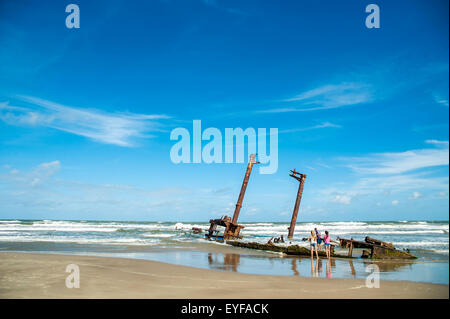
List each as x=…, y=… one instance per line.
x=243, y=188
x=301, y=178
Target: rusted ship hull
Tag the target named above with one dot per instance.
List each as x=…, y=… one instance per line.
x=294, y=250
x=374, y=252
x=376, y=249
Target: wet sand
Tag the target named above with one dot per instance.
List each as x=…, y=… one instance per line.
x=28, y=275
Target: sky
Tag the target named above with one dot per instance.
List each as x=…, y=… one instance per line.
x=86, y=113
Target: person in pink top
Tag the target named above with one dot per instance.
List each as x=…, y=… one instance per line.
x=327, y=241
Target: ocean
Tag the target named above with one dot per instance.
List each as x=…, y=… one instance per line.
x=175, y=243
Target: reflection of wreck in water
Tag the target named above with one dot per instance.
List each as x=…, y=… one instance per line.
x=294, y=266
x=230, y=262
x=389, y=266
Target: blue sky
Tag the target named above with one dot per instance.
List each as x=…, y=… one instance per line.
x=86, y=114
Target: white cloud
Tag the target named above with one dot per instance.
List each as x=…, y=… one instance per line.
x=41, y=191
x=381, y=187
x=342, y=199
x=315, y=127
x=327, y=97
x=415, y=195
x=36, y=176
x=438, y=99
x=443, y=194
x=399, y=183
x=381, y=176
x=395, y=202
x=109, y=128
x=438, y=143
x=48, y=169
x=401, y=162
x=43, y=172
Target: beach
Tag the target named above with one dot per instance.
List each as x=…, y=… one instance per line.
x=175, y=244
x=31, y=275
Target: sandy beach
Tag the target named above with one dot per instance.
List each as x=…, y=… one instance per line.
x=30, y=275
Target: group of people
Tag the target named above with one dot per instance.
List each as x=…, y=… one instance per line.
x=316, y=241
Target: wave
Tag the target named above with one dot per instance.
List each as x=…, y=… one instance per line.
x=159, y=235
x=419, y=244
x=111, y=241
x=403, y=234
x=61, y=229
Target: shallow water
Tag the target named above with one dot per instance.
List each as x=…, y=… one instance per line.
x=173, y=243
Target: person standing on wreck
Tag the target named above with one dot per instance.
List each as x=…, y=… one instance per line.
x=327, y=241
x=313, y=244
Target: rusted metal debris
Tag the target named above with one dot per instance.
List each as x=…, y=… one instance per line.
x=377, y=249
x=232, y=229
x=196, y=230
x=301, y=178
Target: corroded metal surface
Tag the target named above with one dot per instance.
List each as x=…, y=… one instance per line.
x=301, y=178
x=377, y=249
x=243, y=188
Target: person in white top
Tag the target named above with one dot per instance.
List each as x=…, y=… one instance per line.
x=313, y=244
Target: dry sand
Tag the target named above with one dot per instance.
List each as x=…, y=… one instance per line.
x=26, y=275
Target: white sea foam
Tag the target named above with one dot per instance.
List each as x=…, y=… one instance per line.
x=404, y=234
x=420, y=243
x=62, y=229
x=120, y=241
x=159, y=235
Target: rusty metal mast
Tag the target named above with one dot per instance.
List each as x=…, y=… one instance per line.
x=301, y=178
x=243, y=188
x=232, y=229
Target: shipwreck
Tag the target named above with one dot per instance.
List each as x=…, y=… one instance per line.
x=232, y=229
x=372, y=248
x=377, y=249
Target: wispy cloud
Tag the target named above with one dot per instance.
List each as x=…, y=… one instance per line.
x=326, y=97
x=443, y=144
x=381, y=188
x=35, y=177
x=41, y=191
x=314, y=127
x=381, y=175
x=440, y=100
x=401, y=162
x=415, y=195
x=400, y=183
x=110, y=128
x=342, y=199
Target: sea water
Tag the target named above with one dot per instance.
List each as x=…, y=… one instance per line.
x=175, y=243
